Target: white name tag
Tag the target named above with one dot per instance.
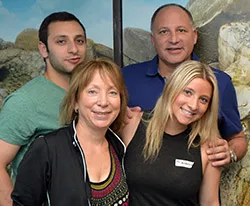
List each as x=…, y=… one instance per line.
x=183, y=163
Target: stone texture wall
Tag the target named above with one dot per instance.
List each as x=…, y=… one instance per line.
x=224, y=42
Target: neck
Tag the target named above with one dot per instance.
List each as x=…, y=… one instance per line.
x=87, y=135
x=166, y=70
x=60, y=79
x=172, y=128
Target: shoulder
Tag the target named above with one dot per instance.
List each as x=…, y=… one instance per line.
x=19, y=105
x=221, y=75
x=61, y=133
x=32, y=95
x=48, y=144
x=17, y=118
x=24, y=94
x=114, y=138
x=116, y=143
x=18, y=99
x=225, y=84
x=38, y=86
x=54, y=138
x=35, y=82
x=139, y=67
x=57, y=140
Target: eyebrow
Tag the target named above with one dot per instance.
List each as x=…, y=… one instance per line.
x=66, y=36
x=97, y=86
x=206, y=97
x=189, y=88
x=178, y=27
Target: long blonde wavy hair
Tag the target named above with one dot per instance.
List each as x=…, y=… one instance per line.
x=206, y=127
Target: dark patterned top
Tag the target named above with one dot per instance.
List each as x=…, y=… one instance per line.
x=113, y=190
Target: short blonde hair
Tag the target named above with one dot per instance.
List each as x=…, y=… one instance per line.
x=81, y=77
x=206, y=126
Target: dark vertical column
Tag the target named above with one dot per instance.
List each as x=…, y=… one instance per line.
x=117, y=32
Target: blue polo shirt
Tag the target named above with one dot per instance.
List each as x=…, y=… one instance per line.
x=145, y=85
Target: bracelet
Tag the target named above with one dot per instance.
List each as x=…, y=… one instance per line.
x=233, y=156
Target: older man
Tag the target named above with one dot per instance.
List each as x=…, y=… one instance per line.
x=174, y=35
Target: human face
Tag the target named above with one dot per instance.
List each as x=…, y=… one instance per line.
x=192, y=103
x=66, y=46
x=99, y=103
x=173, y=36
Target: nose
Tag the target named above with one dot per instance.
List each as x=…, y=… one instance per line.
x=173, y=38
x=73, y=48
x=193, y=103
x=102, y=100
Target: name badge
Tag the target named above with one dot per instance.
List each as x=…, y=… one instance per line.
x=183, y=163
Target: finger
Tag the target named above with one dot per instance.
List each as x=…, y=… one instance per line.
x=218, y=142
x=218, y=149
x=220, y=163
x=135, y=109
x=129, y=113
x=131, y=110
x=219, y=156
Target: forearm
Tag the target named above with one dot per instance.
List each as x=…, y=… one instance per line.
x=238, y=144
x=215, y=203
x=6, y=188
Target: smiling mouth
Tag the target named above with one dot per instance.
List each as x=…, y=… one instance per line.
x=102, y=113
x=187, y=112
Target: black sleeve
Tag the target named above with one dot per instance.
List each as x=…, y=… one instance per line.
x=31, y=184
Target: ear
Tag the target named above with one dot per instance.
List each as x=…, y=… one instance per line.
x=76, y=108
x=195, y=36
x=152, y=39
x=43, y=49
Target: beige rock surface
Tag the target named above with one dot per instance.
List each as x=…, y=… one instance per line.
x=137, y=45
x=234, y=46
x=209, y=8
x=243, y=94
x=27, y=40
x=235, y=180
x=209, y=16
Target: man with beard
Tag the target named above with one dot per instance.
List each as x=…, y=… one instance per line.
x=34, y=108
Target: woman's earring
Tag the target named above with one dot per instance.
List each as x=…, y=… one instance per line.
x=76, y=110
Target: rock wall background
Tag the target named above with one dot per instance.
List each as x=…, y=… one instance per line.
x=224, y=42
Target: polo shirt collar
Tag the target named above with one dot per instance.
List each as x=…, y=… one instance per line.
x=195, y=57
x=152, y=69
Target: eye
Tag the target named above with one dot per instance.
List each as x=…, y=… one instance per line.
x=181, y=30
x=114, y=93
x=92, y=91
x=61, y=42
x=163, y=31
x=204, y=100
x=187, y=92
x=80, y=41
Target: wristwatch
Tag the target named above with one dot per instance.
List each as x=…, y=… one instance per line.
x=233, y=156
